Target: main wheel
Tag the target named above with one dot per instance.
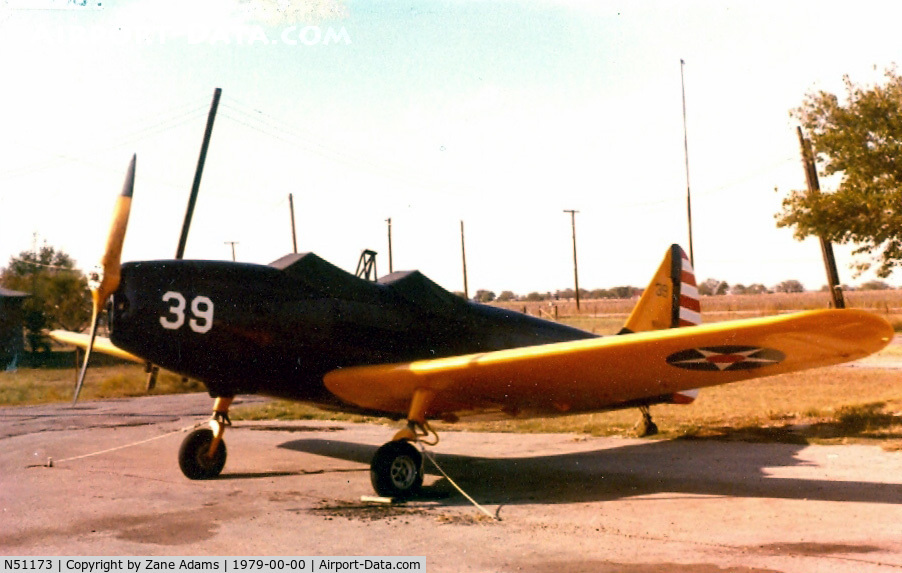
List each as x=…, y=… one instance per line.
x=193, y=458
x=397, y=470
x=645, y=428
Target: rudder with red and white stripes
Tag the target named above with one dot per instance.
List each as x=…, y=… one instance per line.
x=686, y=302
x=690, y=309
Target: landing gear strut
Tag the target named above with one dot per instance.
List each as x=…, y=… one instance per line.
x=203, y=452
x=397, y=467
x=646, y=426
x=152, y=373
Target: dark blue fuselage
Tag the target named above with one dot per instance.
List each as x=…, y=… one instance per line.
x=277, y=329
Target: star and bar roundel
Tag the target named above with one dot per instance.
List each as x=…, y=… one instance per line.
x=721, y=358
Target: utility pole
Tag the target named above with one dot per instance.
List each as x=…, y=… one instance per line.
x=686, y=154
x=814, y=188
x=390, y=265
x=233, y=243
x=575, y=269
x=463, y=253
x=34, y=272
x=294, y=237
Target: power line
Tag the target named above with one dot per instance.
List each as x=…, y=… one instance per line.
x=153, y=126
x=276, y=128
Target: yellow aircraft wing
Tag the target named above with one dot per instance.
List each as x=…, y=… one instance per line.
x=599, y=373
x=101, y=344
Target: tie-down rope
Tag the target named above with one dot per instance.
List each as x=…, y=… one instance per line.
x=50, y=461
x=457, y=487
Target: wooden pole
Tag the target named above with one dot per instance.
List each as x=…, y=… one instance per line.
x=294, y=236
x=233, y=243
x=463, y=253
x=391, y=267
x=575, y=268
x=814, y=188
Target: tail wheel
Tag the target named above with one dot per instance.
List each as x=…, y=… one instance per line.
x=194, y=458
x=397, y=470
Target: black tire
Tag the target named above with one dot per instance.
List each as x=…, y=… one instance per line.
x=646, y=429
x=397, y=470
x=193, y=457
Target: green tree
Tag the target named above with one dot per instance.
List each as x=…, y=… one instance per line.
x=859, y=140
x=566, y=294
x=625, y=292
x=484, y=296
x=791, y=285
x=874, y=285
x=708, y=287
x=60, y=297
x=506, y=296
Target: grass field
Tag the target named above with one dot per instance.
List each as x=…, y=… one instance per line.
x=836, y=404
x=832, y=405
x=44, y=385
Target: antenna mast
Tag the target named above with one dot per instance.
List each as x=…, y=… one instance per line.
x=686, y=154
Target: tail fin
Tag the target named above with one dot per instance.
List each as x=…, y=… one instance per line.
x=670, y=301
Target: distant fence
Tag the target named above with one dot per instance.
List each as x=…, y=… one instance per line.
x=888, y=302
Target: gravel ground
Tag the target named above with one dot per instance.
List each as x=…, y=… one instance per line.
x=557, y=502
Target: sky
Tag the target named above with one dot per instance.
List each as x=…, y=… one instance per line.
x=499, y=114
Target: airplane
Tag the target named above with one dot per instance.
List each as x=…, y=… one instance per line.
x=403, y=347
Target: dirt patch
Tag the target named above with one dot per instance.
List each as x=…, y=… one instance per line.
x=465, y=519
x=172, y=529
x=392, y=512
x=177, y=528
x=368, y=511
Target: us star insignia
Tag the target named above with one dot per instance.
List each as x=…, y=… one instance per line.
x=721, y=358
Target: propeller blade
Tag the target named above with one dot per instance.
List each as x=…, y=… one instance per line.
x=95, y=318
x=111, y=260
x=104, y=279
